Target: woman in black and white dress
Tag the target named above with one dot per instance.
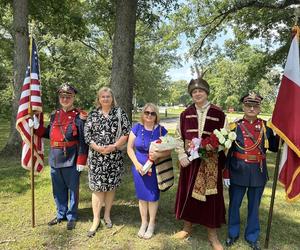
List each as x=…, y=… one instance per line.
x=106, y=130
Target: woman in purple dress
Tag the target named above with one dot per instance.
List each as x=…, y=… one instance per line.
x=146, y=188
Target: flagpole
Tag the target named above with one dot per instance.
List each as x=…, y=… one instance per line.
x=275, y=178
x=31, y=140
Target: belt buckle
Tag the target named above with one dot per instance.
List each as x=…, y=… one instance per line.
x=252, y=157
x=55, y=144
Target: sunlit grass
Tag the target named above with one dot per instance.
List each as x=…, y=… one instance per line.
x=15, y=219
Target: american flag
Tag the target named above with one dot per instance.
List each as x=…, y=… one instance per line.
x=30, y=101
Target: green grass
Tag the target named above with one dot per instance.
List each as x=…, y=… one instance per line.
x=15, y=220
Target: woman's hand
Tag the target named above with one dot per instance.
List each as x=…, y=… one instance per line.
x=153, y=155
x=106, y=149
x=139, y=168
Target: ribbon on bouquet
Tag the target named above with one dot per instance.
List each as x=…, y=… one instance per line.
x=194, y=148
x=147, y=167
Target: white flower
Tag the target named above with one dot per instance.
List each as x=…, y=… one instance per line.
x=228, y=144
x=220, y=148
x=222, y=139
x=224, y=131
x=217, y=133
x=232, y=136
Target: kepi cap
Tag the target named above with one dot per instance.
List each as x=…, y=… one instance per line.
x=251, y=98
x=67, y=88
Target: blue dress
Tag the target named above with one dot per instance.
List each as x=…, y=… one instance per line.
x=146, y=187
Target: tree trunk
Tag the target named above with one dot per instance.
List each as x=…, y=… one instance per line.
x=21, y=54
x=122, y=80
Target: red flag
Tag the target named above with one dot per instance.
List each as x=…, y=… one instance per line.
x=286, y=121
x=30, y=100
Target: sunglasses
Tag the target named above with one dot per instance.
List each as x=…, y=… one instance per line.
x=147, y=113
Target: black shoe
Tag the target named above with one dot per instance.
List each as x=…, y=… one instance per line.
x=54, y=222
x=71, y=224
x=254, y=245
x=230, y=241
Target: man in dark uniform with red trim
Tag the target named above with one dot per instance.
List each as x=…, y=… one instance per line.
x=68, y=154
x=247, y=170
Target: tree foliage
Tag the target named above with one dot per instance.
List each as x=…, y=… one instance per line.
x=75, y=41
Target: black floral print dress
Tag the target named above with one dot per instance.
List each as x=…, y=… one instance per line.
x=105, y=171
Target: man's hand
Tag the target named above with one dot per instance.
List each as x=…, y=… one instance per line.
x=209, y=147
x=184, y=162
x=80, y=168
x=226, y=182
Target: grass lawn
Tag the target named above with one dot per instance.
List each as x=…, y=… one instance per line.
x=15, y=220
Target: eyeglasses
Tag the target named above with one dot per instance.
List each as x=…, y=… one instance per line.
x=255, y=106
x=147, y=113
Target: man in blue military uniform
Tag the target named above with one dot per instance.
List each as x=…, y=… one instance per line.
x=246, y=169
x=68, y=154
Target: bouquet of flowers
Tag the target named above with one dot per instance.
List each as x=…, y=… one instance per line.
x=218, y=140
x=164, y=143
x=225, y=138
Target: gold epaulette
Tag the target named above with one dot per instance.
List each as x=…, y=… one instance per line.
x=232, y=125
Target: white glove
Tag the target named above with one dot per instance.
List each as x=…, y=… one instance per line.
x=36, y=122
x=80, y=168
x=226, y=182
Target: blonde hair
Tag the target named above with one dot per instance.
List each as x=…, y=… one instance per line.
x=100, y=91
x=155, y=109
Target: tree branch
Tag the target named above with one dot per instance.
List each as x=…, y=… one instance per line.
x=93, y=48
x=209, y=32
x=239, y=6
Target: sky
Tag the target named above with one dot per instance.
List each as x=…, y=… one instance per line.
x=184, y=72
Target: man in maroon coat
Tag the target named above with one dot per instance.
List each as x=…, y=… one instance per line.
x=199, y=198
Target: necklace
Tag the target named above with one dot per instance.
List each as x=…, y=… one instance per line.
x=143, y=138
x=105, y=114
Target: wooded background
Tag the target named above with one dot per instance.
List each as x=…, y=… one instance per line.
x=130, y=45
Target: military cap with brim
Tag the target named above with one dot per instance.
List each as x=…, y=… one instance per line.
x=67, y=88
x=251, y=98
